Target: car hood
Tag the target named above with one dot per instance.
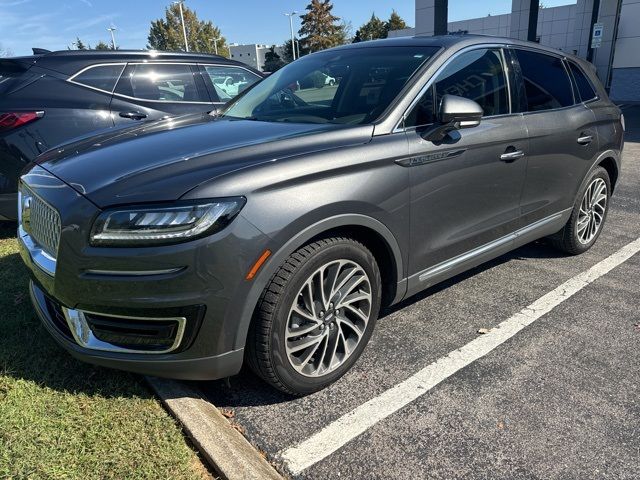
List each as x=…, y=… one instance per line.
x=161, y=161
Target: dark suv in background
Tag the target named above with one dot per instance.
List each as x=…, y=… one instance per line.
x=52, y=97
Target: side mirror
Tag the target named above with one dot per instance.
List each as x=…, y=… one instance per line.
x=455, y=113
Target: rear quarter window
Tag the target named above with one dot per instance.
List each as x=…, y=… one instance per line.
x=585, y=87
x=102, y=77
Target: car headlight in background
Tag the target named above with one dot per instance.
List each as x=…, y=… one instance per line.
x=147, y=225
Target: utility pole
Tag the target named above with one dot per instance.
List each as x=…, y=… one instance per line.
x=215, y=44
x=293, y=42
x=184, y=29
x=112, y=29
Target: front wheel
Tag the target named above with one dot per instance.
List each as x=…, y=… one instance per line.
x=588, y=215
x=316, y=316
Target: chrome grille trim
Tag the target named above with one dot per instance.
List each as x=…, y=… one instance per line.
x=43, y=223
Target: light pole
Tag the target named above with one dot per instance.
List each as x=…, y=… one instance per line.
x=112, y=29
x=215, y=44
x=184, y=29
x=293, y=42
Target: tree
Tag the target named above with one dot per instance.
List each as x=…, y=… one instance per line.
x=80, y=44
x=320, y=28
x=272, y=60
x=395, y=22
x=166, y=33
x=287, y=54
x=102, y=46
x=5, y=52
x=372, y=30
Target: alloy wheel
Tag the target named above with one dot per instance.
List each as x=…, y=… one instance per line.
x=328, y=318
x=592, y=210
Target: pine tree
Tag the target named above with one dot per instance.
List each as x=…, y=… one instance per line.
x=320, y=28
x=166, y=33
x=80, y=44
x=395, y=22
x=102, y=46
x=372, y=30
x=272, y=60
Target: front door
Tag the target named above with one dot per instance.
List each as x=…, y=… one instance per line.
x=465, y=190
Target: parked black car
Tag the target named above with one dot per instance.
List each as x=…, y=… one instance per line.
x=275, y=232
x=52, y=97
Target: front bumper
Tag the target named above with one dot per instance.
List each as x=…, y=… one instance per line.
x=204, y=368
x=202, y=282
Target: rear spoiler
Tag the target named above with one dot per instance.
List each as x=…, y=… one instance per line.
x=40, y=51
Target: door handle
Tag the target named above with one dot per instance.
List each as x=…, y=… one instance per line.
x=585, y=139
x=512, y=156
x=133, y=115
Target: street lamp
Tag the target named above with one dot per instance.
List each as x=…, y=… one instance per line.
x=293, y=45
x=215, y=44
x=184, y=30
x=112, y=29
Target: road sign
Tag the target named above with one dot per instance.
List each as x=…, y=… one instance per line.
x=596, y=38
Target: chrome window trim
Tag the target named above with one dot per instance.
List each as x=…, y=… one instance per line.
x=79, y=72
x=399, y=126
x=83, y=335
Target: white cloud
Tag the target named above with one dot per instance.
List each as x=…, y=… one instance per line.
x=102, y=19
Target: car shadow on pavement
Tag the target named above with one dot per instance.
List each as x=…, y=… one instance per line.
x=27, y=351
x=247, y=390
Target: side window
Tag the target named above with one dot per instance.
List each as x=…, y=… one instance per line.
x=160, y=82
x=546, y=82
x=585, y=88
x=229, y=82
x=102, y=77
x=478, y=75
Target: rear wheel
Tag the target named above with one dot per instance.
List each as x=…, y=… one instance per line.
x=316, y=316
x=588, y=215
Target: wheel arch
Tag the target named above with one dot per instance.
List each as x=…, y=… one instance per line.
x=367, y=230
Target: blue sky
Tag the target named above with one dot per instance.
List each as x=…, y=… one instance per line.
x=54, y=24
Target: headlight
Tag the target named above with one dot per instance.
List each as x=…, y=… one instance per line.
x=163, y=224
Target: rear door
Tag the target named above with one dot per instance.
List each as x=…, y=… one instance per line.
x=150, y=91
x=225, y=82
x=465, y=190
x=562, y=133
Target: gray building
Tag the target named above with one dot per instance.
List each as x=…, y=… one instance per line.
x=252, y=54
x=570, y=28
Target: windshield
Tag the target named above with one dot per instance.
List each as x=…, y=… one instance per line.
x=348, y=86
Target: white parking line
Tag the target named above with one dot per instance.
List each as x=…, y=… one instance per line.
x=349, y=426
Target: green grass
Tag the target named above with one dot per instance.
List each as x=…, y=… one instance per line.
x=60, y=418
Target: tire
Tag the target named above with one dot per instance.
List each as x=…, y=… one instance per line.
x=575, y=238
x=274, y=350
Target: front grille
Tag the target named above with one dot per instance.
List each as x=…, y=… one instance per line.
x=43, y=224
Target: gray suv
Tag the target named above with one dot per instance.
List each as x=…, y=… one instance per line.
x=275, y=231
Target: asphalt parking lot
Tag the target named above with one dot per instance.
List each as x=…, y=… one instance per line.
x=558, y=399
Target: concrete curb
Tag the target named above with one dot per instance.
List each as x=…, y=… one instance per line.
x=230, y=454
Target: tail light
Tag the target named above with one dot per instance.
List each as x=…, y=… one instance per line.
x=11, y=120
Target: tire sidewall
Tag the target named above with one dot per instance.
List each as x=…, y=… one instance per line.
x=344, y=249
x=576, y=243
